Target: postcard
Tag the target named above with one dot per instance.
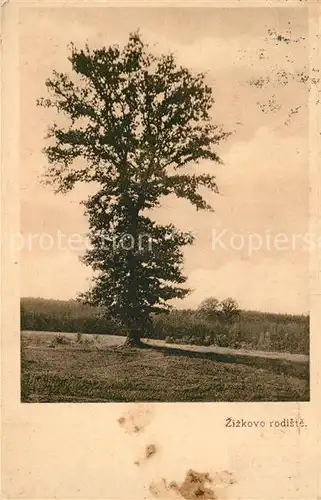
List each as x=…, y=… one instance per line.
x=161, y=248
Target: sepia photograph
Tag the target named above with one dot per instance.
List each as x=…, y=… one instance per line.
x=164, y=186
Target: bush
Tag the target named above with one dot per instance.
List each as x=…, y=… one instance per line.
x=79, y=338
x=60, y=340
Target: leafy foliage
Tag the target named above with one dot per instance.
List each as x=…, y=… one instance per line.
x=135, y=122
x=212, y=309
x=209, y=308
x=229, y=309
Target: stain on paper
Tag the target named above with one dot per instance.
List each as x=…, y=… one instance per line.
x=149, y=452
x=196, y=485
x=134, y=421
x=193, y=487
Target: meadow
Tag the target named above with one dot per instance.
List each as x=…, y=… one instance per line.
x=79, y=368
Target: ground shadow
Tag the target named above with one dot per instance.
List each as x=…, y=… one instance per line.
x=285, y=367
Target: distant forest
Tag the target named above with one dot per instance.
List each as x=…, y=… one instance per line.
x=251, y=329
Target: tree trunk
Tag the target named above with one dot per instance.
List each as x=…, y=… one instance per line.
x=133, y=339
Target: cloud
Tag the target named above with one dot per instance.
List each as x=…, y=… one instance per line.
x=53, y=274
x=225, y=54
x=270, y=170
x=264, y=184
x=275, y=285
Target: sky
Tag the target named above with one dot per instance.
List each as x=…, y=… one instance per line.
x=264, y=179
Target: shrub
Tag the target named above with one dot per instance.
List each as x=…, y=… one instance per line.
x=79, y=338
x=60, y=340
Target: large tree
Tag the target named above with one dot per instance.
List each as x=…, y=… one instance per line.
x=136, y=121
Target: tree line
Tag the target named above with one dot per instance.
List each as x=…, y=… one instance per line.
x=248, y=329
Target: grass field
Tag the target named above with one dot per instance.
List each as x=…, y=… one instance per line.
x=57, y=368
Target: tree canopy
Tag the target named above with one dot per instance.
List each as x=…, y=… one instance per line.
x=136, y=121
x=212, y=309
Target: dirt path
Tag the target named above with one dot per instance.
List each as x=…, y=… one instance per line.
x=287, y=356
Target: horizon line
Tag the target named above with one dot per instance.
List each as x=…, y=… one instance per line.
x=304, y=314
